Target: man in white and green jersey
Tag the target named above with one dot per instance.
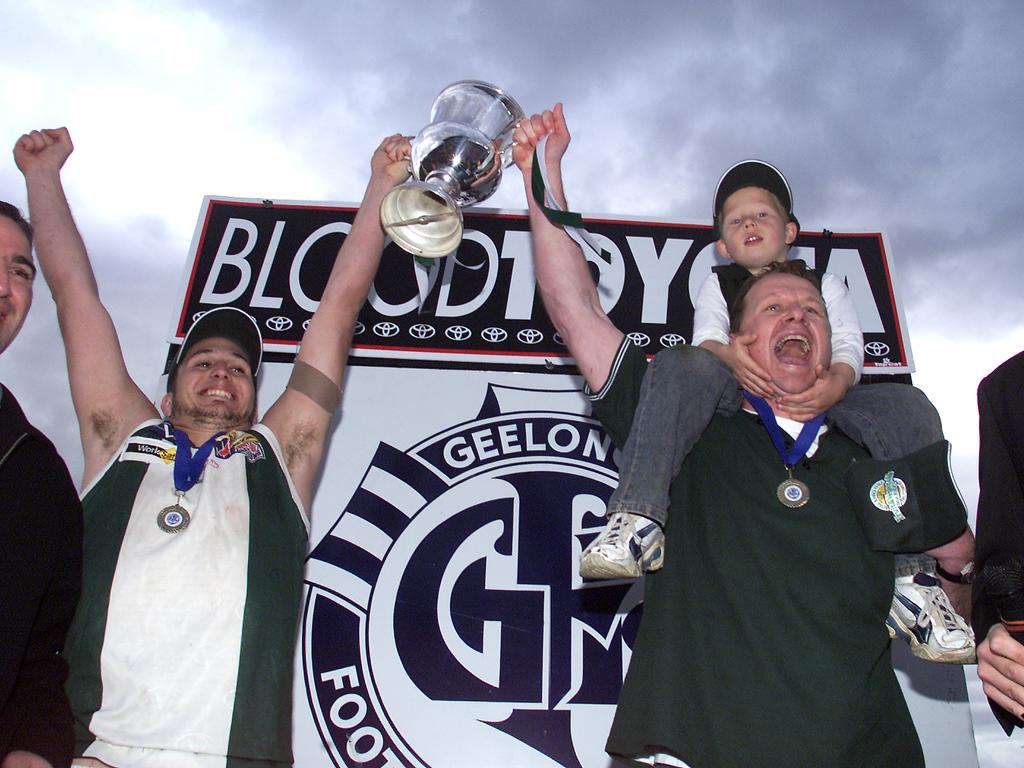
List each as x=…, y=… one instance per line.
x=195, y=527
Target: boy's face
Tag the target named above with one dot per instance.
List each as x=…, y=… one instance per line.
x=755, y=231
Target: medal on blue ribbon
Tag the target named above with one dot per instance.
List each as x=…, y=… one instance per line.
x=791, y=492
x=188, y=468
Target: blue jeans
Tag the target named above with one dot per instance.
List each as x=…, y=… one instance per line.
x=685, y=386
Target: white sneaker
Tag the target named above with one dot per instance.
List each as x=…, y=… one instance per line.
x=922, y=616
x=629, y=546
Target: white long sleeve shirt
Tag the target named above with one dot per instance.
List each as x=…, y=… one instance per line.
x=711, y=320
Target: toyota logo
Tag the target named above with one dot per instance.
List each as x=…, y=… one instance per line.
x=640, y=339
x=493, y=334
x=385, y=329
x=671, y=339
x=557, y=338
x=876, y=348
x=421, y=331
x=279, y=323
x=359, y=328
x=529, y=335
x=458, y=333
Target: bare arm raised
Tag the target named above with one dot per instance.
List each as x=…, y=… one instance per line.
x=107, y=402
x=300, y=418
x=565, y=283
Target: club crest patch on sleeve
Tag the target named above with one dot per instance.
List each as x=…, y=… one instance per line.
x=889, y=494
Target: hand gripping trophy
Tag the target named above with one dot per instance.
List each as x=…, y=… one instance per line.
x=456, y=161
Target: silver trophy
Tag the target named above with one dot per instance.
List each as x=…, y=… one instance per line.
x=456, y=161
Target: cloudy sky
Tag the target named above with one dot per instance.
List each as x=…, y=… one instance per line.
x=892, y=117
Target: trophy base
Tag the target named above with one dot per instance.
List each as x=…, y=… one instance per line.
x=421, y=220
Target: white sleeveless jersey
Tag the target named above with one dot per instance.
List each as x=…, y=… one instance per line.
x=181, y=650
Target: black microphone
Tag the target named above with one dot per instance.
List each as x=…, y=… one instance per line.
x=1003, y=585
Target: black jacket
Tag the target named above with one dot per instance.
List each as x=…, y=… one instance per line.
x=1001, y=474
x=40, y=580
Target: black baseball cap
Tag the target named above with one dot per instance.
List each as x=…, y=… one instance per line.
x=230, y=323
x=754, y=173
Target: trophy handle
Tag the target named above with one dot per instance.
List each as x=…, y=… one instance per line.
x=506, y=152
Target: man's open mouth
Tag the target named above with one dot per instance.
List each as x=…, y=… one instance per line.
x=792, y=345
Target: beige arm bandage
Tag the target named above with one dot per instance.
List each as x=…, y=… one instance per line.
x=315, y=385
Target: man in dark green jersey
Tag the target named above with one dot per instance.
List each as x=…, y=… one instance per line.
x=763, y=640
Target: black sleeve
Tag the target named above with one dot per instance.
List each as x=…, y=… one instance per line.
x=910, y=504
x=1000, y=523
x=616, y=401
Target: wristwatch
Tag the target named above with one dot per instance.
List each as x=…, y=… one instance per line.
x=966, y=575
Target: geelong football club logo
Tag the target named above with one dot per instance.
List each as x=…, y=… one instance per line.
x=445, y=622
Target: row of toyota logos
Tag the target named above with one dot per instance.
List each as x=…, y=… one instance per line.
x=495, y=335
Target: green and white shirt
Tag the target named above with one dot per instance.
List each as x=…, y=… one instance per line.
x=181, y=651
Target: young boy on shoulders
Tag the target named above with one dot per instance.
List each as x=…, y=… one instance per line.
x=684, y=386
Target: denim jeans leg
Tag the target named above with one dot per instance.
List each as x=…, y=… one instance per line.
x=682, y=389
x=889, y=420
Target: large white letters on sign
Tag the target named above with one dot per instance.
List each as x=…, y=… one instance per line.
x=444, y=622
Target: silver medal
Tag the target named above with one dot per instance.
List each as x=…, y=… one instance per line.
x=793, y=493
x=173, y=519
